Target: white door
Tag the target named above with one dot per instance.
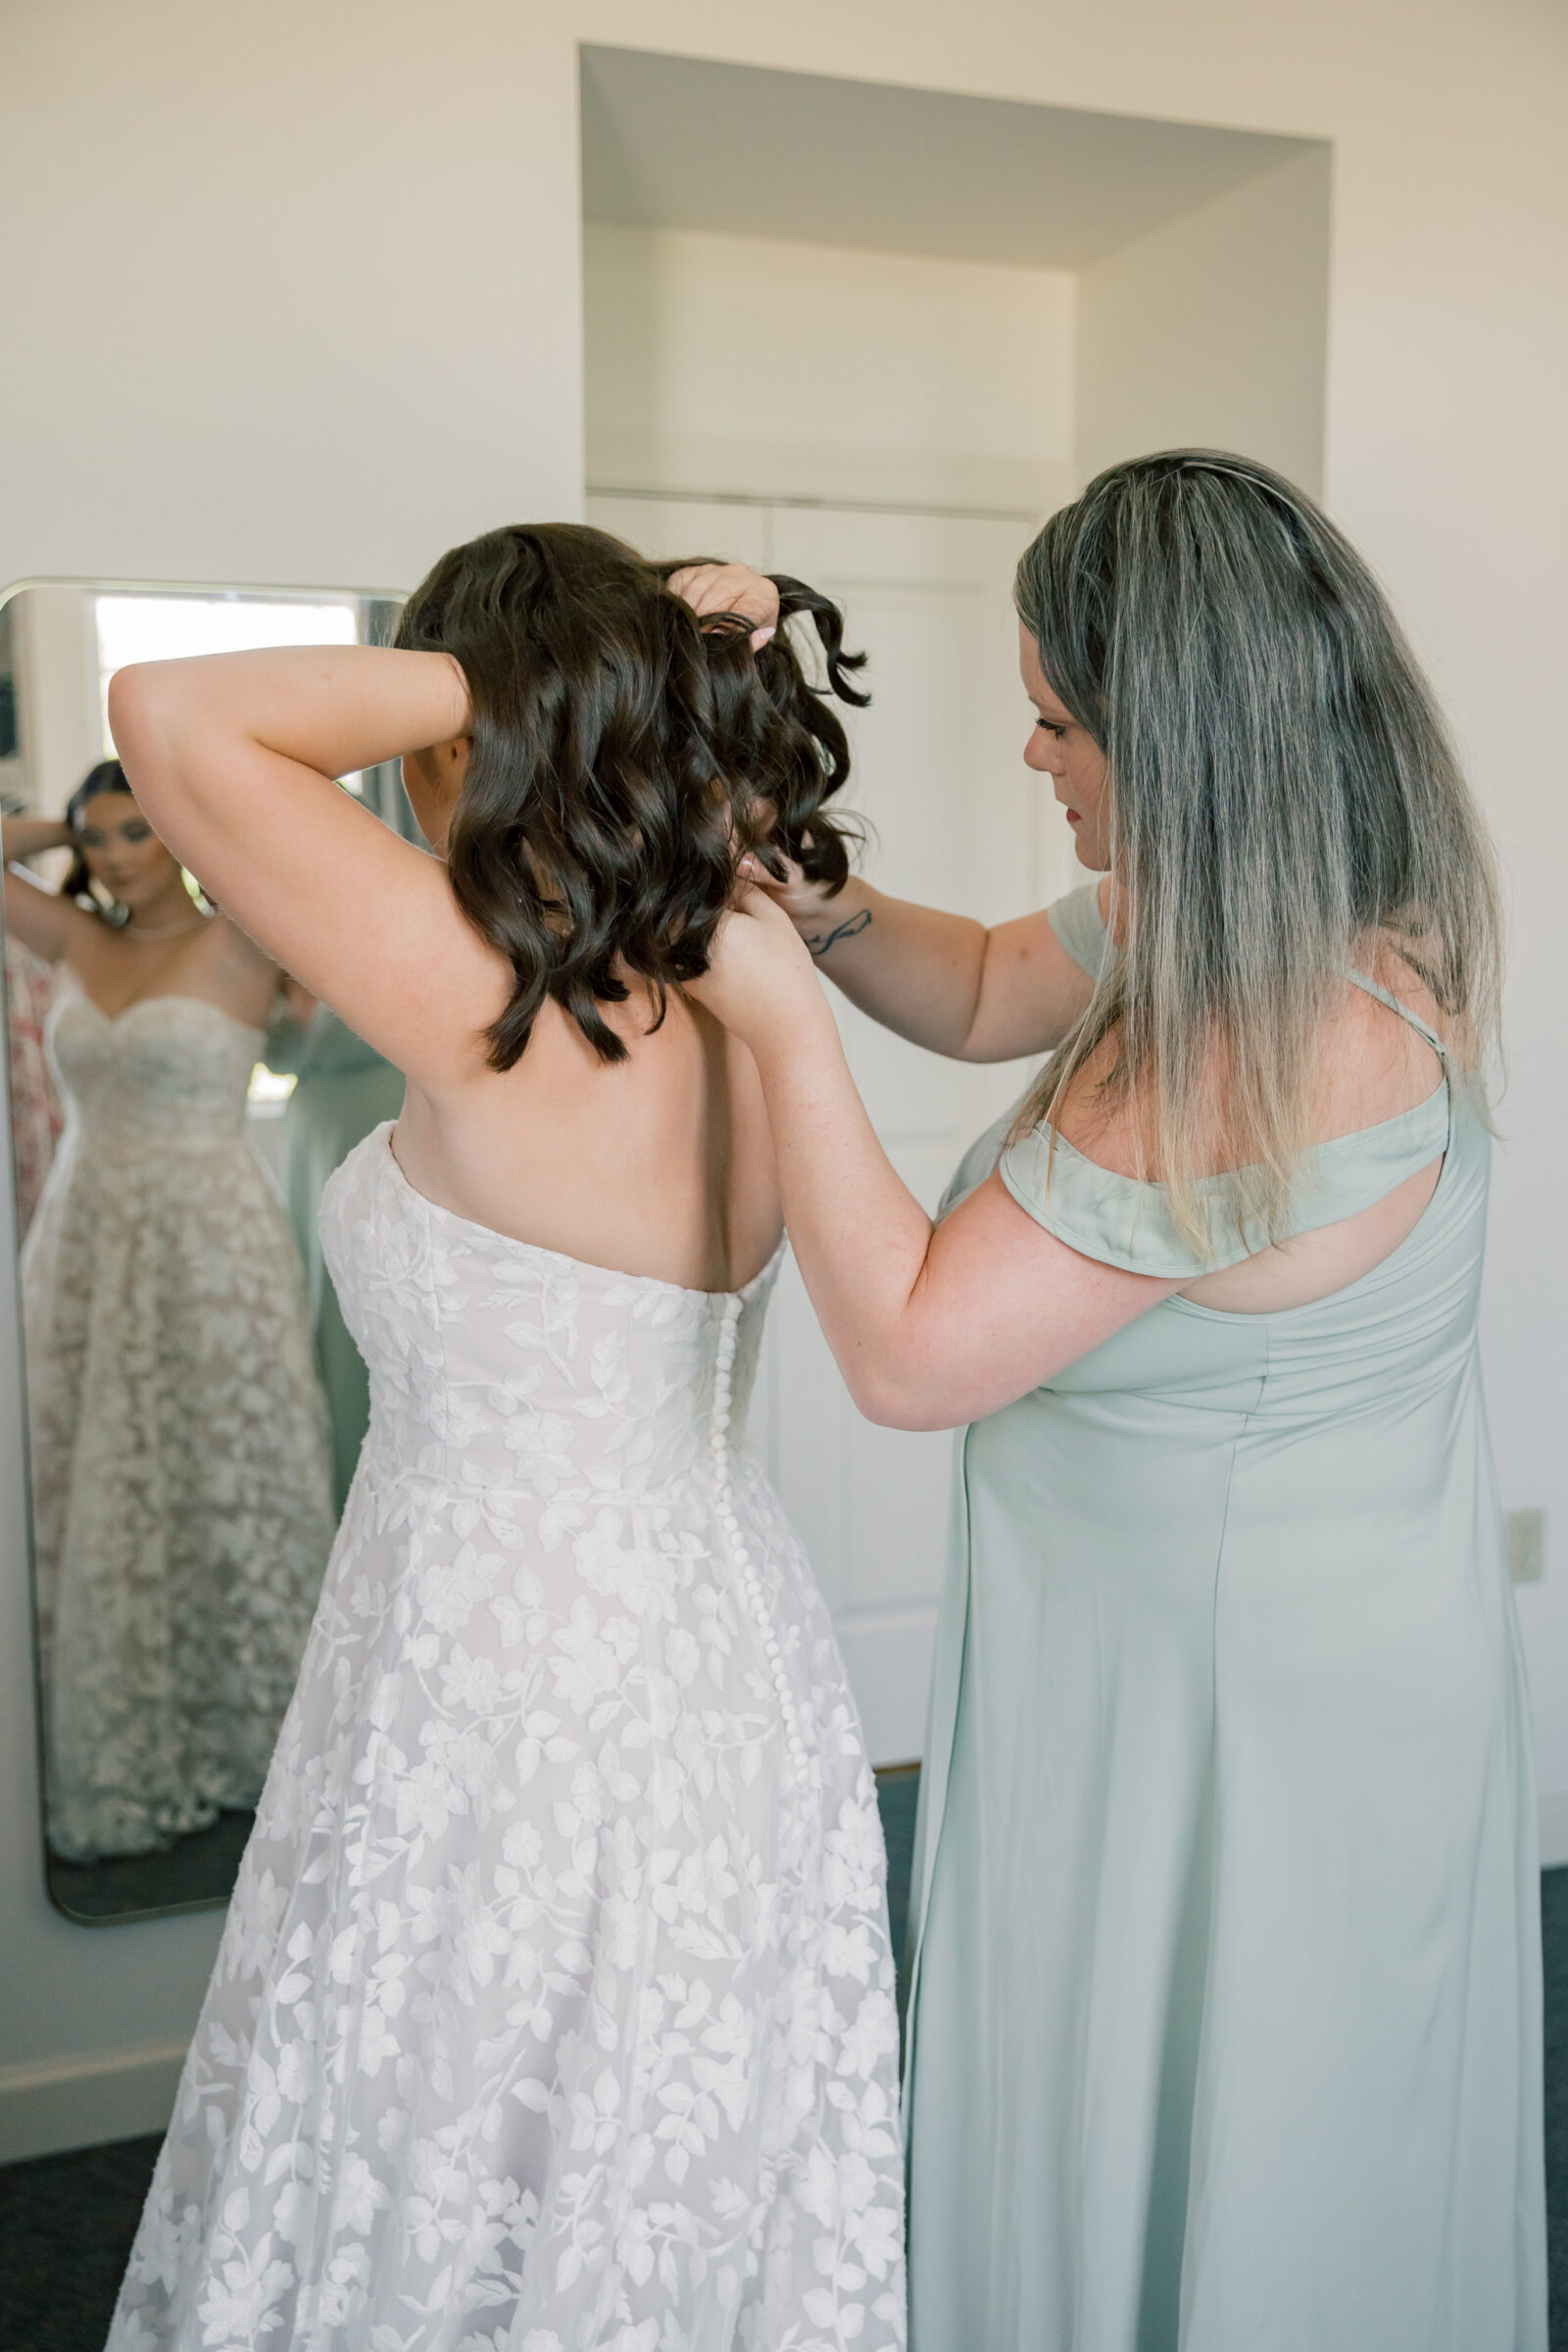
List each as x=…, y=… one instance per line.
x=954, y=821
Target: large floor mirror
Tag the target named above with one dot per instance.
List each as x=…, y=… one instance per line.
x=193, y=1403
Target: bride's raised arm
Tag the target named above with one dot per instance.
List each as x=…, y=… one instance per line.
x=37, y=915
x=234, y=757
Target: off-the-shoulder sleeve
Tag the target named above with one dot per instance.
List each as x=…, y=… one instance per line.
x=1112, y=1219
x=1080, y=926
x=1123, y=1223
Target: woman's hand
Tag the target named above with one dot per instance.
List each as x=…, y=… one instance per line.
x=730, y=588
x=807, y=904
x=760, y=976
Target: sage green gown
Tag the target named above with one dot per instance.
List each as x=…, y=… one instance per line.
x=1225, y=2031
x=342, y=1089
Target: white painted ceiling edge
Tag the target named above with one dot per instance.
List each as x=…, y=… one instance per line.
x=689, y=143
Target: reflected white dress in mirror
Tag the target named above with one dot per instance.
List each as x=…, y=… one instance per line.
x=555, y=2008
x=181, y=1493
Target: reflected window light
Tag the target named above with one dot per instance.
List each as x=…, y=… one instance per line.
x=167, y=628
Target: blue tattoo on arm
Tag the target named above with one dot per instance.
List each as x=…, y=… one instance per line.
x=846, y=930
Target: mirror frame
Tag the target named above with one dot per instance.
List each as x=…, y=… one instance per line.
x=228, y=591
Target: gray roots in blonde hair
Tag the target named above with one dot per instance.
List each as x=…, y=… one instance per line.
x=1285, y=802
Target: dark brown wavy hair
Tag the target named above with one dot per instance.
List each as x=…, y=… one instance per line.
x=626, y=757
x=107, y=776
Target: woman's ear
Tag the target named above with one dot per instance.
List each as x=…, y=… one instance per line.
x=433, y=779
x=450, y=762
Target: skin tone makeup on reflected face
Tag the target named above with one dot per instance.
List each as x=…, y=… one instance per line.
x=127, y=858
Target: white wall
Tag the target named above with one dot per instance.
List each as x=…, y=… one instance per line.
x=1210, y=331
x=292, y=296
x=743, y=364
x=292, y=291
x=58, y=694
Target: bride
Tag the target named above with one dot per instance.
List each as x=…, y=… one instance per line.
x=555, y=2007
x=183, y=1508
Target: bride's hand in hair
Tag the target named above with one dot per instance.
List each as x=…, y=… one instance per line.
x=759, y=971
x=730, y=588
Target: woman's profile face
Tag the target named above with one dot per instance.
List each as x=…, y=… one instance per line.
x=122, y=850
x=1059, y=748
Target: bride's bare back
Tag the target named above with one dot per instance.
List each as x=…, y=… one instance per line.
x=661, y=1164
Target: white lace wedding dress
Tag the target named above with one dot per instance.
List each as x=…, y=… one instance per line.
x=555, y=2009
x=182, y=1503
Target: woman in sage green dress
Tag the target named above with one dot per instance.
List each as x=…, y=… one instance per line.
x=1225, y=2027
x=342, y=1089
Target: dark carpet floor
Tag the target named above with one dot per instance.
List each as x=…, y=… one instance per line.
x=66, y=2222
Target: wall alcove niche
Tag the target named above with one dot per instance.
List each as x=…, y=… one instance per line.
x=872, y=336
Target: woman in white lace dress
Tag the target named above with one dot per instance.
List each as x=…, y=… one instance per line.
x=555, y=2009
x=182, y=1510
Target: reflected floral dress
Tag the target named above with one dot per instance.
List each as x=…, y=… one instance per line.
x=37, y=1114
x=183, y=1508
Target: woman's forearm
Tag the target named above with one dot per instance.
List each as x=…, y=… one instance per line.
x=930, y=1325
x=943, y=981
x=38, y=916
x=28, y=836
x=914, y=969
x=859, y=1233
x=333, y=709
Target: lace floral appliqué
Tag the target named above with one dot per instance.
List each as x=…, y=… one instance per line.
x=555, y=2009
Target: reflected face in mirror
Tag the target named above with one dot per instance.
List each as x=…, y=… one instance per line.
x=1065, y=752
x=433, y=780
x=124, y=855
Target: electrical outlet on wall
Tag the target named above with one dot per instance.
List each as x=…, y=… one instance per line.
x=1527, y=1546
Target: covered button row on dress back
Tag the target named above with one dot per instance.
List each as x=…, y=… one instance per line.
x=741, y=1560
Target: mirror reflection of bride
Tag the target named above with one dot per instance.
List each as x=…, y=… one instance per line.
x=181, y=1500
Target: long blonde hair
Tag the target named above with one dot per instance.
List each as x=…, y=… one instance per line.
x=1283, y=797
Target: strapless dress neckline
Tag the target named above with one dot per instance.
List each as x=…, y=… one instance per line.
x=746, y=1291
x=166, y=996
